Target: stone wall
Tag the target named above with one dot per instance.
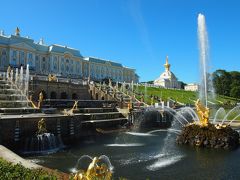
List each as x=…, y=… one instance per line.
x=59, y=90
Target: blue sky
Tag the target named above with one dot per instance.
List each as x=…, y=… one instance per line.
x=136, y=33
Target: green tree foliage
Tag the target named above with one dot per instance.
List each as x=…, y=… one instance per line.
x=235, y=92
x=11, y=171
x=227, y=83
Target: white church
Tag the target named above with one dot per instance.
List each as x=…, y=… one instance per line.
x=167, y=79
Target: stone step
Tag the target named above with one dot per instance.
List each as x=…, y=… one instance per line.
x=104, y=120
x=5, y=86
x=12, y=97
x=94, y=110
x=14, y=104
x=10, y=91
x=96, y=116
x=14, y=111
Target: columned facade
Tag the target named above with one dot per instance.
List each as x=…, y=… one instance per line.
x=59, y=60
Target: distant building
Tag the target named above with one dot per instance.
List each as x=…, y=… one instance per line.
x=191, y=87
x=167, y=79
x=62, y=61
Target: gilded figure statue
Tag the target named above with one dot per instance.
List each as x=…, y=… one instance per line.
x=40, y=99
x=52, y=77
x=94, y=171
x=41, y=126
x=203, y=113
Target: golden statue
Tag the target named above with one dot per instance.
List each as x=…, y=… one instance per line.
x=203, y=113
x=41, y=126
x=71, y=111
x=31, y=101
x=94, y=171
x=40, y=100
x=52, y=77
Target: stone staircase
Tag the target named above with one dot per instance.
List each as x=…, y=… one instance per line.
x=124, y=98
x=12, y=101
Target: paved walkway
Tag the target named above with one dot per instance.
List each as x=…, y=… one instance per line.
x=10, y=156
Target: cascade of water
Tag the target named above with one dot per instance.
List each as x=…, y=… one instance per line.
x=234, y=119
x=16, y=77
x=234, y=111
x=43, y=143
x=169, y=153
x=220, y=114
x=177, y=115
x=80, y=162
x=206, y=82
x=191, y=112
x=11, y=76
x=26, y=80
x=7, y=76
x=106, y=161
x=21, y=80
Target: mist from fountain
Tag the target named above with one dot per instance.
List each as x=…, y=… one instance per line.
x=169, y=154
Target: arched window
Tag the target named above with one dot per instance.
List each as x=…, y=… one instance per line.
x=74, y=96
x=64, y=95
x=67, y=65
x=53, y=95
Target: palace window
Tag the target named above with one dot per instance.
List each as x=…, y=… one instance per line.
x=30, y=59
x=43, y=64
x=62, y=64
x=22, y=61
x=14, y=57
x=4, y=58
x=67, y=65
x=55, y=64
x=37, y=63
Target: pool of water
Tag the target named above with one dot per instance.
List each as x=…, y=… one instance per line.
x=149, y=156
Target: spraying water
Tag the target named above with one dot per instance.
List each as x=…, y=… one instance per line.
x=206, y=81
x=26, y=80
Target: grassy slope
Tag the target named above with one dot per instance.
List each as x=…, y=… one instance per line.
x=186, y=97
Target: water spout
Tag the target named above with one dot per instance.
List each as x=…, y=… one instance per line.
x=206, y=80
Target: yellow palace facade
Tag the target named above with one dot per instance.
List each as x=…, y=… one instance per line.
x=59, y=60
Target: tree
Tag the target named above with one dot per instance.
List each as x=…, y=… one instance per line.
x=235, y=92
x=222, y=82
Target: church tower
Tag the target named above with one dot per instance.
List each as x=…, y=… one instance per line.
x=167, y=65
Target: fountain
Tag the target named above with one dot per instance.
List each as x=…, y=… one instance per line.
x=99, y=168
x=206, y=86
x=43, y=142
x=202, y=133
